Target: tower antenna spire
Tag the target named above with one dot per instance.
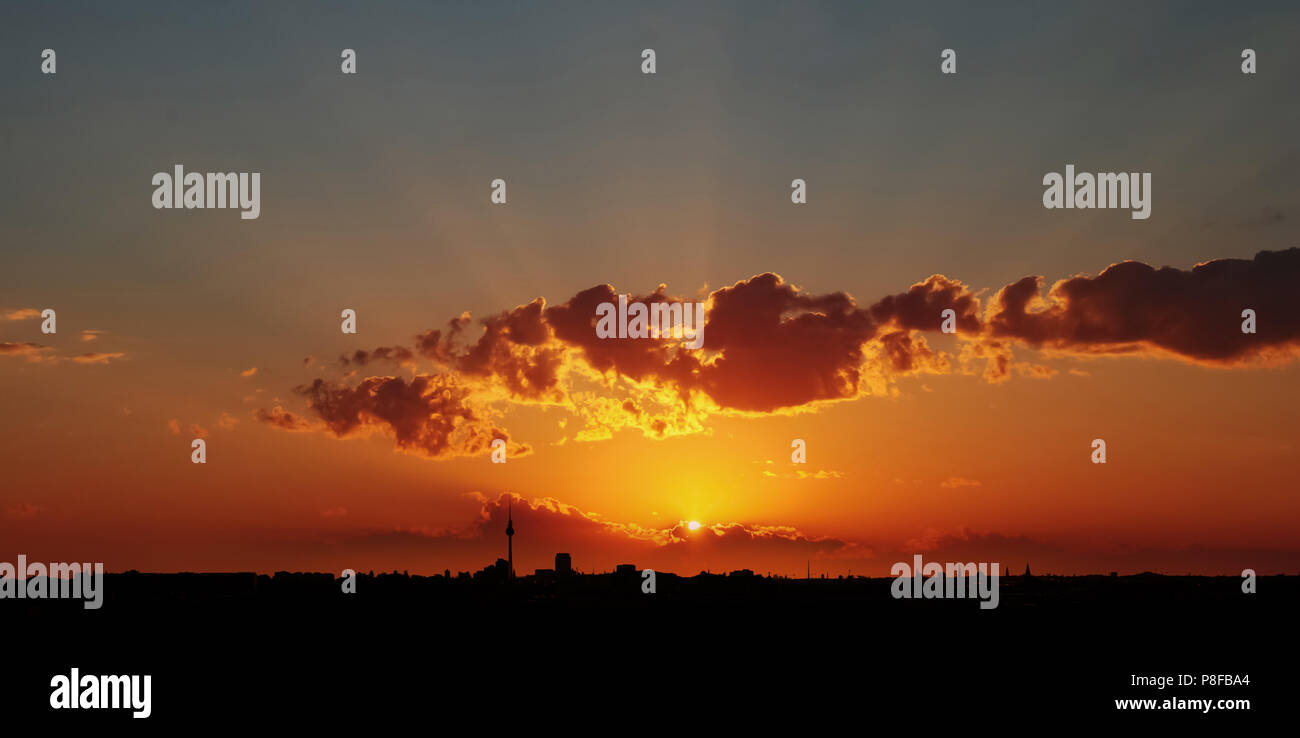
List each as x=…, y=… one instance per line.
x=510, y=538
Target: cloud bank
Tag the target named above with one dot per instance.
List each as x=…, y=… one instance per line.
x=770, y=347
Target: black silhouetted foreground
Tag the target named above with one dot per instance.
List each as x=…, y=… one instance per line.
x=727, y=648
x=624, y=589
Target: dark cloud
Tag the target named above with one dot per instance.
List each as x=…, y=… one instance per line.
x=31, y=351
x=281, y=418
x=922, y=306
x=769, y=346
x=1131, y=307
x=396, y=354
x=779, y=347
x=511, y=350
x=574, y=324
x=426, y=415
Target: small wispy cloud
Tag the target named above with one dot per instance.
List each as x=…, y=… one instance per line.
x=97, y=358
x=20, y=314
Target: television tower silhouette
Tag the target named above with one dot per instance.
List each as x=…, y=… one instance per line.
x=510, y=540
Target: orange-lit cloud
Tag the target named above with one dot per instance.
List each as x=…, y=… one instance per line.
x=227, y=422
x=97, y=358
x=427, y=415
x=770, y=347
x=282, y=419
x=31, y=352
x=20, y=314
x=35, y=353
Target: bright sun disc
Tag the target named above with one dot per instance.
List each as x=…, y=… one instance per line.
x=693, y=525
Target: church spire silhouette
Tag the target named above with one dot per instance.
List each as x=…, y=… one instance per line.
x=510, y=539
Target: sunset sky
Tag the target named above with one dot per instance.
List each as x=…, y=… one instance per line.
x=924, y=192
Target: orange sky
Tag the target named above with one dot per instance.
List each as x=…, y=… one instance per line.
x=916, y=441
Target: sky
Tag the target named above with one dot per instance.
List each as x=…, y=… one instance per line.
x=328, y=450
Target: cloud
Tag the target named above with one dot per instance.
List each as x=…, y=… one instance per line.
x=30, y=352
x=250, y=371
x=767, y=345
x=395, y=354
x=227, y=422
x=282, y=419
x=97, y=358
x=771, y=347
x=91, y=335
x=174, y=427
x=427, y=415
x=922, y=306
x=780, y=347
x=1131, y=308
x=819, y=474
x=801, y=474
x=955, y=482
x=23, y=511
x=20, y=314
x=35, y=353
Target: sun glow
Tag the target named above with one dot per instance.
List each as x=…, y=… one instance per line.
x=693, y=525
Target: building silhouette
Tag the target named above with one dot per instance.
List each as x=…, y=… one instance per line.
x=497, y=572
x=563, y=564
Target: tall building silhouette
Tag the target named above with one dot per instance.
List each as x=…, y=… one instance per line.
x=510, y=541
x=563, y=564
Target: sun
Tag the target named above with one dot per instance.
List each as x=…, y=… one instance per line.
x=693, y=525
